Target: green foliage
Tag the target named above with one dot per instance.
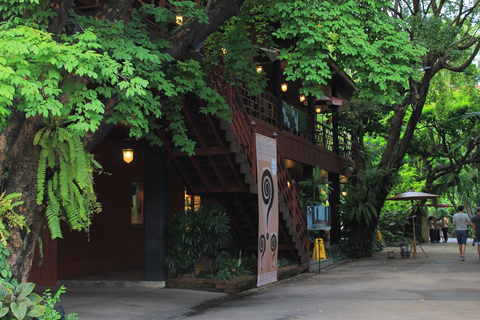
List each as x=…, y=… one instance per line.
x=19, y=302
x=315, y=192
x=65, y=180
x=5, y=272
x=49, y=306
x=337, y=251
x=8, y=217
x=228, y=268
x=357, y=208
x=363, y=37
x=196, y=234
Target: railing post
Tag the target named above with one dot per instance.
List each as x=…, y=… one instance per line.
x=335, y=129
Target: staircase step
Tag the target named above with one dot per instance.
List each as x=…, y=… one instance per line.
x=249, y=178
x=245, y=168
x=230, y=136
x=225, y=125
x=288, y=223
x=235, y=147
x=240, y=158
x=286, y=215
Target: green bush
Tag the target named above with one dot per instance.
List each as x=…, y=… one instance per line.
x=19, y=302
x=196, y=234
x=49, y=306
x=228, y=268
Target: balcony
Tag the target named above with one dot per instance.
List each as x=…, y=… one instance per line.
x=263, y=107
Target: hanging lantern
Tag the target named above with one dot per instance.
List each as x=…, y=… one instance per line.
x=179, y=20
x=127, y=155
x=284, y=87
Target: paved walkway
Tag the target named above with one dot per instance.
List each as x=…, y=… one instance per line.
x=440, y=287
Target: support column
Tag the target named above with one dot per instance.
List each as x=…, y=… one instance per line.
x=334, y=200
x=155, y=212
x=312, y=115
x=277, y=92
x=335, y=233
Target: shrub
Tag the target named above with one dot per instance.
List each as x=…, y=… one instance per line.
x=196, y=234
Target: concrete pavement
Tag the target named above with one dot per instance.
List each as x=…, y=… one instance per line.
x=440, y=287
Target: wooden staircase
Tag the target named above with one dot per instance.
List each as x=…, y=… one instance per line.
x=224, y=165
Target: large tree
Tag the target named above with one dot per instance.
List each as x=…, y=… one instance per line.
x=68, y=75
x=447, y=32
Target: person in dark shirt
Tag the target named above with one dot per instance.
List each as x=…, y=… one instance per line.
x=476, y=229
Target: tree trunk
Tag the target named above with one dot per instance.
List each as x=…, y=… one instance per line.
x=22, y=178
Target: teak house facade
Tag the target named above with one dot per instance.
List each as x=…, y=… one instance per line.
x=139, y=197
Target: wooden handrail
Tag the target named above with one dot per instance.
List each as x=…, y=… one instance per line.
x=245, y=135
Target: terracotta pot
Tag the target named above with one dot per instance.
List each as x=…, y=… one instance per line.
x=390, y=255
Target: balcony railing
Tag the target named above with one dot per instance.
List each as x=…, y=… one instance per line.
x=263, y=107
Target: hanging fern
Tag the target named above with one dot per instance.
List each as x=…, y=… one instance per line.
x=65, y=180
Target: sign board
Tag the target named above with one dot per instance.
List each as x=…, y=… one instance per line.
x=319, y=250
x=318, y=218
x=267, y=209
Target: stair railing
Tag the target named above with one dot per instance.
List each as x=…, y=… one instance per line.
x=245, y=134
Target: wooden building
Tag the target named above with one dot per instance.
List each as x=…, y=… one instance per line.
x=138, y=197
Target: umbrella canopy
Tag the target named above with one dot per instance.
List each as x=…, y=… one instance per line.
x=413, y=195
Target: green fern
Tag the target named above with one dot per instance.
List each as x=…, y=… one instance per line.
x=8, y=217
x=68, y=193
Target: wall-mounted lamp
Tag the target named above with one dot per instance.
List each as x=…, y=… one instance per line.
x=284, y=87
x=259, y=69
x=302, y=97
x=253, y=123
x=344, y=193
x=179, y=20
x=274, y=134
x=318, y=110
x=288, y=184
x=224, y=51
x=127, y=155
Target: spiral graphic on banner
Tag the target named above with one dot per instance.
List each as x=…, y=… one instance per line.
x=268, y=191
x=273, y=246
x=262, y=246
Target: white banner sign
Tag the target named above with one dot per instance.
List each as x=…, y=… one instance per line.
x=267, y=209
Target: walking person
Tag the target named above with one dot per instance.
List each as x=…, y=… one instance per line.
x=444, y=226
x=461, y=221
x=431, y=229
x=476, y=229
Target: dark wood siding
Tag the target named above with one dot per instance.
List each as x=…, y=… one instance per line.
x=113, y=243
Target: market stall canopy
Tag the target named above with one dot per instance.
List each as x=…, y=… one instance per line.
x=413, y=195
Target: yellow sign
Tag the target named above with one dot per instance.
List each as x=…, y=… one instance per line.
x=319, y=250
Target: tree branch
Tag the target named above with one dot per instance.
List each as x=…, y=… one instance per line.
x=114, y=9
x=218, y=14
x=58, y=22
